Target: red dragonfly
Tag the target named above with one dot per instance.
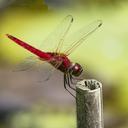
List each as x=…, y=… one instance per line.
x=64, y=46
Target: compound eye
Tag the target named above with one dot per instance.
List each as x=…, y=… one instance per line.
x=76, y=70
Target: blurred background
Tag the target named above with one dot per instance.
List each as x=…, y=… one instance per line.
x=24, y=104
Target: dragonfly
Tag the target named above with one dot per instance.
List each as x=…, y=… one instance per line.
x=61, y=46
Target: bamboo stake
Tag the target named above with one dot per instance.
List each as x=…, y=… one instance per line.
x=89, y=104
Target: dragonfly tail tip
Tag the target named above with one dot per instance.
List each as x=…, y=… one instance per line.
x=7, y=35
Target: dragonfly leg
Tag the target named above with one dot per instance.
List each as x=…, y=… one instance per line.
x=66, y=83
x=69, y=79
x=72, y=79
x=76, y=78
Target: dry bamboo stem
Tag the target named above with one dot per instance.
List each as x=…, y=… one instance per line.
x=89, y=104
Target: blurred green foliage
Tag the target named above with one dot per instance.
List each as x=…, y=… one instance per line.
x=30, y=4
x=100, y=2
x=42, y=117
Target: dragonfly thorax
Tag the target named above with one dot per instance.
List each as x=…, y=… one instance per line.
x=75, y=69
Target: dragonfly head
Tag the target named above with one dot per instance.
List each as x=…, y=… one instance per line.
x=76, y=69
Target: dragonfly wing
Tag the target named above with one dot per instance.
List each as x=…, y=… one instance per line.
x=76, y=39
x=27, y=64
x=46, y=71
x=56, y=38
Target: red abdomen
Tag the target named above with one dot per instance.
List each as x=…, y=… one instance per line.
x=30, y=48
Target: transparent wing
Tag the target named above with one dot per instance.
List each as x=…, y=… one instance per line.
x=28, y=63
x=76, y=39
x=44, y=69
x=48, y=70
x=54, y=41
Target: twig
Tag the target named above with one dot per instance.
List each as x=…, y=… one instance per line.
x=89, y=104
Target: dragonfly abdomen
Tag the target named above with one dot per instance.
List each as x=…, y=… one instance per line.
x=30, y=48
